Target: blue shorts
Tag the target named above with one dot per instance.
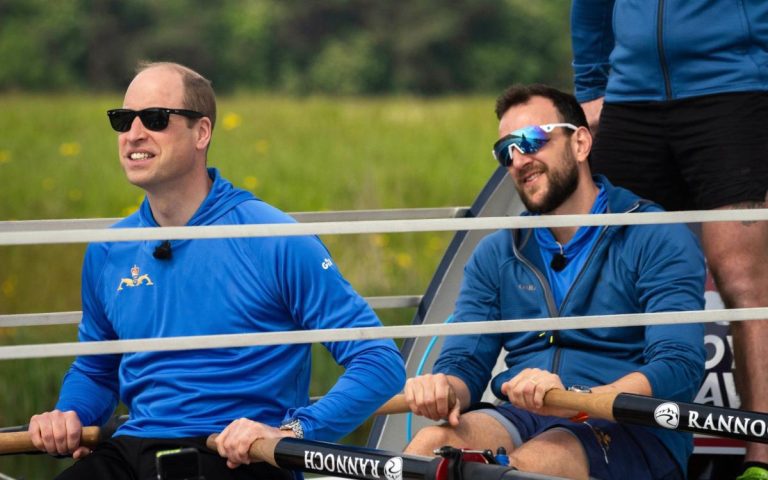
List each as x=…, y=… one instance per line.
x=614, y=451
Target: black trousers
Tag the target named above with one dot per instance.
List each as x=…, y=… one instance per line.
x=134, y=458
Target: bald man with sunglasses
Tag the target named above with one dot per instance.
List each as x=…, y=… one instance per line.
x=567, y=271
x=148, y=289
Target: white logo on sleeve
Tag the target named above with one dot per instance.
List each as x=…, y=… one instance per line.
x=326, y=263
x=667, y=415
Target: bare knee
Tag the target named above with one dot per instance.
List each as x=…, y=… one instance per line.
x=554, y=452
x=740, y=285
x=429, y=438
x=475, y=430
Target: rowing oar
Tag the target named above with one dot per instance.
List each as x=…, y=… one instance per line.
x=654, y=412
x=618, y=407
x=368, y=463
x=19, y=442
x=648, y=411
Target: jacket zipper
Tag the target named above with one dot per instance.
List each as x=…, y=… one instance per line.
x=556, y=333
x=553, y=312
x=547, y=295
x=660, y=46
x=583, y=269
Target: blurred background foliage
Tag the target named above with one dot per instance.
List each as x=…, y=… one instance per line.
x=349, y=47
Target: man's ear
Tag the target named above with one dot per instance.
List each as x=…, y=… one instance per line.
x=581, y=143
x=204, y=130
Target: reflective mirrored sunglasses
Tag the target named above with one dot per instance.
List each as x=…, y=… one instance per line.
x=526, y=140
x=154, y=119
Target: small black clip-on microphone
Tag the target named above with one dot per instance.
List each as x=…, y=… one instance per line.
x=558, y=260
x=163, y=251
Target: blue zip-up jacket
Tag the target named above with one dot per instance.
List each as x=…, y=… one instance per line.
x=223, y=286
x=668, y=49
x=631, y=269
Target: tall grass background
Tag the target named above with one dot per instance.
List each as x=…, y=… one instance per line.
x=58, y=159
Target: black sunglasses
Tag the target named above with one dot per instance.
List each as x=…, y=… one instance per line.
x=155, y=119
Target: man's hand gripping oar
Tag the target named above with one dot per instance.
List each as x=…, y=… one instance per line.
x=20, y=442
x=647, y=411
x=619, y=407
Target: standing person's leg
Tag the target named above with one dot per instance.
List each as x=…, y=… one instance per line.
x=722, y=148
x=738, y=258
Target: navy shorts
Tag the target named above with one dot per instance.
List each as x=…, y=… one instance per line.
x=691, y=154
x=614, y=451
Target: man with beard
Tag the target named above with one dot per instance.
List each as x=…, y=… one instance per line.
x=563, y=272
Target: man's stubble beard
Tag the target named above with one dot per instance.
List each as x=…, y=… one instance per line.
x=562, y=183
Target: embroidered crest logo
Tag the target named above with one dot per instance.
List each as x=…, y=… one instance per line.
x=135, y=280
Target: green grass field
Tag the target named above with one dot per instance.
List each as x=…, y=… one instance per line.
x=58, y=159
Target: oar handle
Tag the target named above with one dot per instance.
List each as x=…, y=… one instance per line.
x=262, y=450
x=20, y=442
x=397, y=404
x=596, y=405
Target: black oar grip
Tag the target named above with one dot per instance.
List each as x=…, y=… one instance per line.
x=639, y=410
x=691, y=417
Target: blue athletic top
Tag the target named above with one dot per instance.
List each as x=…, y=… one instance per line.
x=629, y=269
x=576, y=251
x=654, y=50
x=223, y=286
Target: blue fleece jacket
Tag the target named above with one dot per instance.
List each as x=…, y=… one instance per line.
x=631, y=269
x=223, y=286
x=652, y=50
